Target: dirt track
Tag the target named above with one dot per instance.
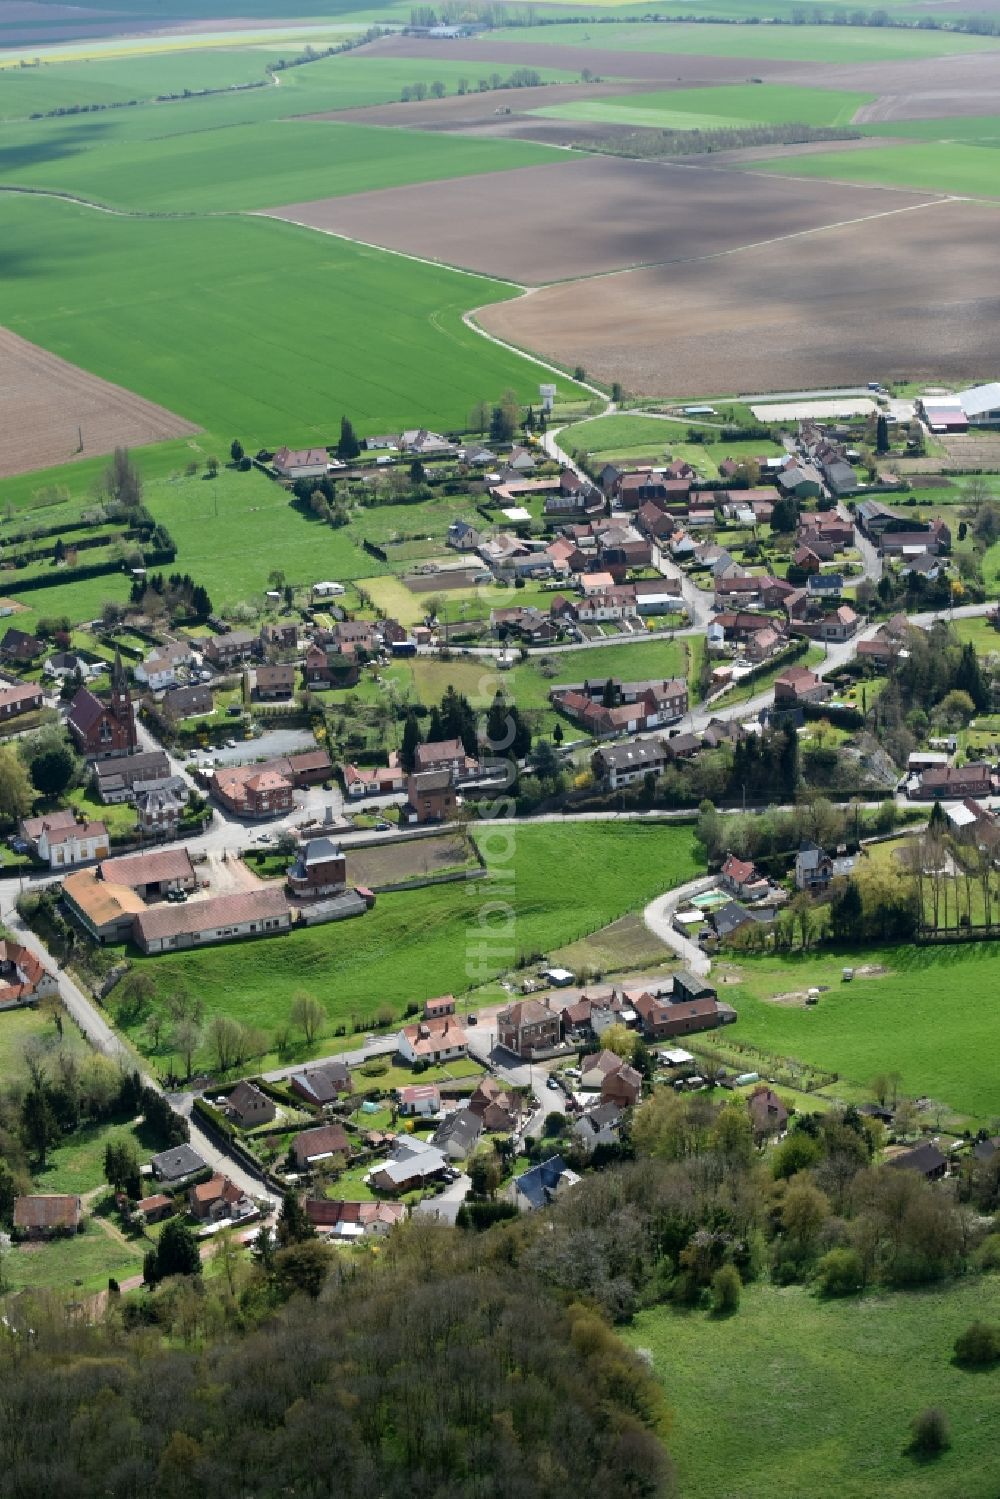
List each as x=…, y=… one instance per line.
x=589, y=215
x=865, y=301
x=44, y=402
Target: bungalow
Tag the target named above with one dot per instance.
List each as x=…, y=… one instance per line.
x=42, y=1216
x=926, y=1159
x=153, y=873
x=155, y=1208
x=61, y=841
x=324, y=1084
x=179, y=703
x=419, y=1101
x=433, y=1041
x=541, y=1184
x=25, y=697
x=302, y=463
x=413, y=1163
x=353, y=1220
x=327, y=1143
x=825, y=585
x=260, y=912
x=528, y=1028
x=177, y=1164
x=768, y=1115
x=458, y=1133
x=248, y=1105
x=374, y=780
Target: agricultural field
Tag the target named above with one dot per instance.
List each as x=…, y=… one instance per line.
x=613, y=214
x=936, y=166
x=390, y=346
x=435, y=940
x=925, y=1017
x=119, y=80
x=844, y=1380
x=85, y=1261
x=608, y=437
x=859, y=296
x=716, y=108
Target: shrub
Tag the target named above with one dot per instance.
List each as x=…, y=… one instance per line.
x=839, y=1273
x=978, y=1346
x=929, y=1433
x=374, y=1069
x=988, y=1253
x=726, y=1287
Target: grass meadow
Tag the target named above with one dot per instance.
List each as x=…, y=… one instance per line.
x=793, y=1396
x=84, y=1261
x=440, y=939
x=254, y=328
x=931, y=1017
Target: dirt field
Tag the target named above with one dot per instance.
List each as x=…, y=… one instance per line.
x=388, y=863
x=44, y=402
x=588, y=215
x=862, y=301
x=466, y=112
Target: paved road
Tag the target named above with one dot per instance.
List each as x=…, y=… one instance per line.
x=658, y=917
x=446, y=1204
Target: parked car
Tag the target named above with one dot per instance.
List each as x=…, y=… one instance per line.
x=551, y=1083
x=472, y=1019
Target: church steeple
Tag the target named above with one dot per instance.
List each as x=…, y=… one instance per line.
x=121, y=704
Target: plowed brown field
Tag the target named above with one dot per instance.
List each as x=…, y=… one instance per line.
x=588, y=215
x=45, y=403
x=862, y=301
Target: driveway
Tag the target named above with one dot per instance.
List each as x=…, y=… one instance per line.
x=445, y=1206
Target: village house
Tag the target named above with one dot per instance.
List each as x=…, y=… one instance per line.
x=302, y=463
x=107, y=912
x=528, y=1028
x=64, y=664
x=268, y=683
x=170, y=928
x=320, y=868
x=25, y=697
x=177, y=1165
x=115, y=780
x=61, y=842
x=617, y=765
x=218, y=1199
x=159, y=806
x=374, y=780
x=253, y=790
x=104, y=730
x=433, y=1041
x=458, y=1133
x=598, y=1125
x=350, y=1221
x=155, y=1208
x=768, y=1115
x=814, y=868
x=498, y=1107
x=323, y=1084
x=443, y=754
x=419, y=1101
x=248, y=1106
x=954, y=781
x=622, y=1087
x=152, y=873
x=430, y=797
x=159, y=669
x=797, y=685
x=412, y=1164
x=24, y=980
x=926, y=1159
x=45, y=1215
x=541, y=1184
x=196, y=701
x=740, y=878
x=330, y=668
x=690, y=1005
x=19, y=648
x=328, y=1143
x=226, y=651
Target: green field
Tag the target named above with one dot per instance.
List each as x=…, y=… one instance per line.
x=254, y=327
x=84, y=1261
x=717, y=108
x=936, y=166
x=430, y=941
x=981, y=130
x=796, y=1398
x=32, y=1029
x=627, y=435
x=931, y=1018
x=796, y=43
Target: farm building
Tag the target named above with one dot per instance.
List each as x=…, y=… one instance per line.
x=220, y=919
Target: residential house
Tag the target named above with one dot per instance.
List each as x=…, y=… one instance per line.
x=430, y=797
x=159, y=805
x=623, y=1087
x=107, y=912
x=423, y=444
x=802, y=480
x=955, y=781
x=197, y=701
x=302, y=463
x=824, y=585
x=458, y=1133
x=621, y=764
x=412, y=1164
x=528, y=1028
x=740, y=878
x=419, y=1101
x=324, y=1084
x=115, y=780
x=254, y=790
x=65, y=664
x=443, y=754
x=217, y=1199
x=330, y=668
x=768, y=1115
x=152, y=873
x=61, y=842
x=690, y=1005
x=498, y=1107
x=598, y=1065
x=17, y=648
x=24, y=980
x=104, y=730
x=24, y=697
x=156, y=1208
x=600, y=1125
x=935, y=538
x=433, y=1041
x=443, y=1004
x=374, y=780
x=177, y=1165
x=797, y=685
x=248, y=1106
x=159, y=669
x=260, y=912
x=226, y=651
x=541, y=1184
x=327, y=1143
x=925, y=1158
x=320, y=868
x=350, y=1221
x=272, y=682
x=44, y=1215
x=463, y=536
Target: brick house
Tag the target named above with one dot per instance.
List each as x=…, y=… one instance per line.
x=25, y=697
x=320, y=868
x=42, y=1216
x=527, y=1028
x=430, y=797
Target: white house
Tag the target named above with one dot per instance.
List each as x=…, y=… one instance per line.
x=159, y=670
x=328, y=590
x=303, y=463
x=429, y=1040
x=419, y=1101
x=63, y=842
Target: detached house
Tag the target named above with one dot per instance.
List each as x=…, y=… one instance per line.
x=433, y=1041
x=740, y=878
x=528, y=1028
x=249, y=1106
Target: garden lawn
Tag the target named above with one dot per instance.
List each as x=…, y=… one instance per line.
x=932, y=1018
x=85, y=1260
x=718, y=108
x=937, y=166
x=796, y=43
x=22, y=1028
x=254, y=328
x=77, y=1162
x=794, y=1397
x=440, y=939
